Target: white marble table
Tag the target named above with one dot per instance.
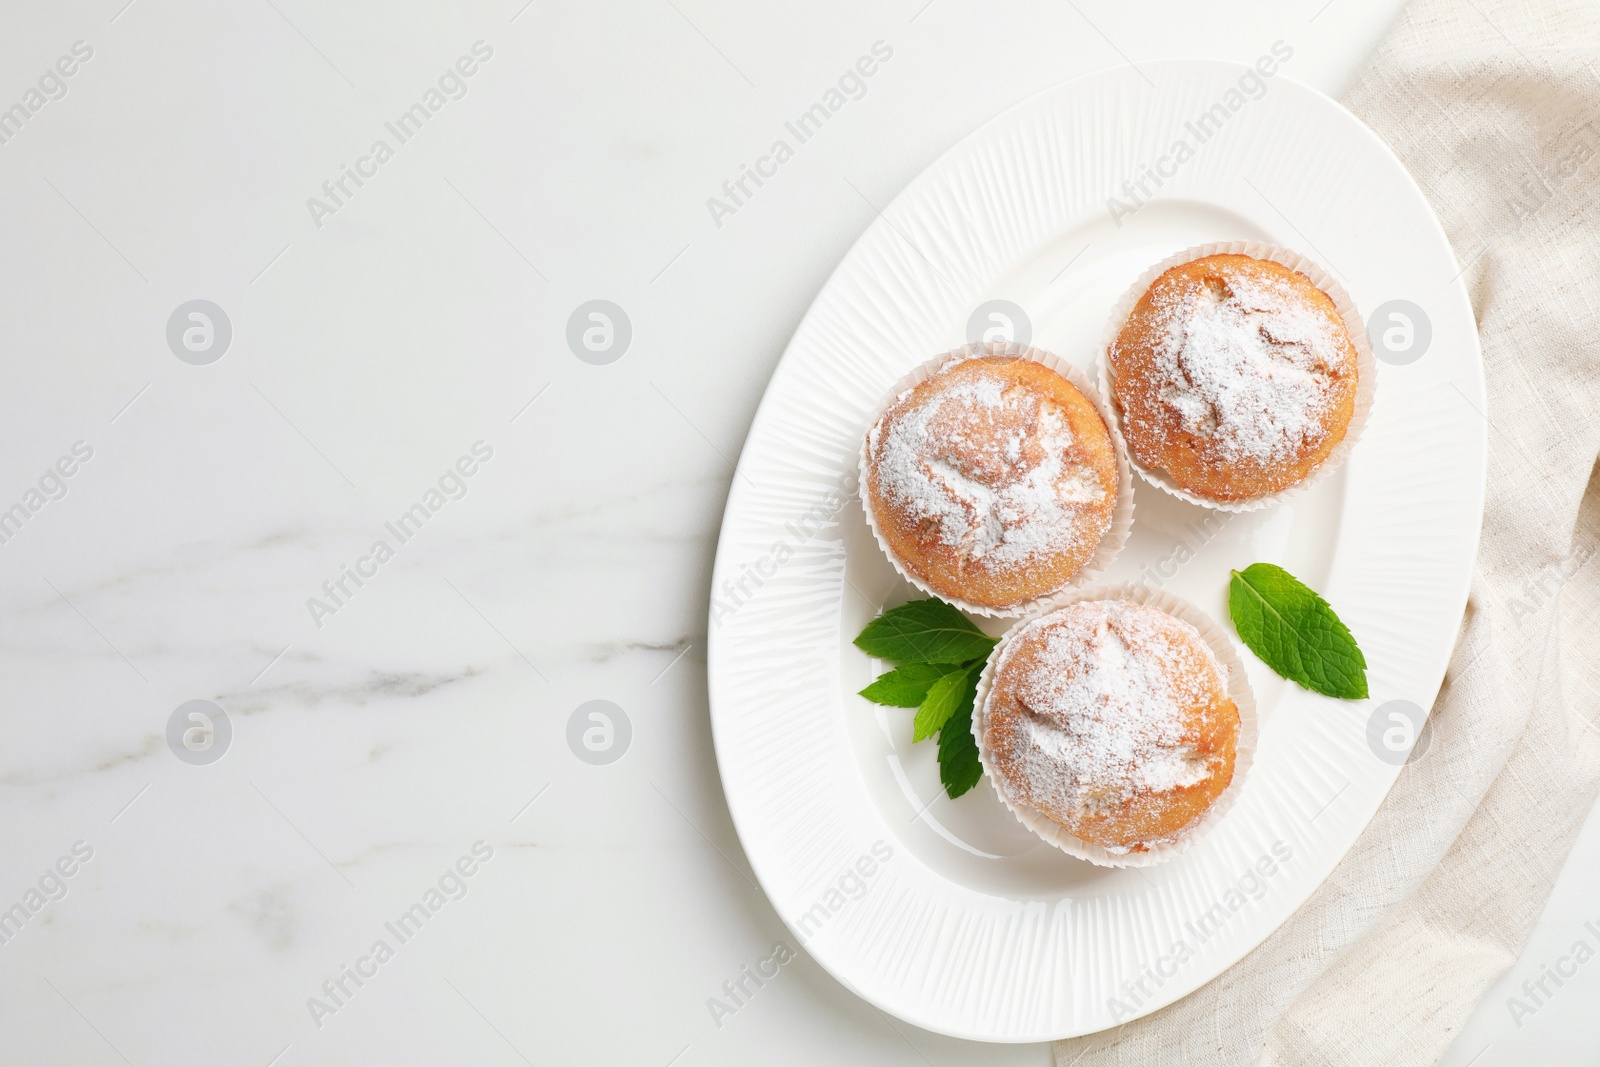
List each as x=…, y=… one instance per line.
x=396, y=760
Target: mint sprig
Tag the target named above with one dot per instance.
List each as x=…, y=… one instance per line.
x=1296, y=632
x=940, y=654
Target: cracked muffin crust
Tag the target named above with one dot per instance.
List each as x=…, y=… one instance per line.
x=1236, y=376
x=1113, y=720
x=993, y=480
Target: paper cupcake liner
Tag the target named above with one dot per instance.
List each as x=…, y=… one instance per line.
x=1366, y=366
x=1238, y=688
x=1121, y=516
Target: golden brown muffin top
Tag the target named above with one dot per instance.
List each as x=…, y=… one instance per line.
x=993, y=480
x=1234, y=375
x=1112, y=719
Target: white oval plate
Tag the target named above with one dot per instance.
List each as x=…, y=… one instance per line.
x=948, y=914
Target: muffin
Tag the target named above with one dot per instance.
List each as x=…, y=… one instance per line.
x=1113, y=720
x=992, y=481
x=1235, y=376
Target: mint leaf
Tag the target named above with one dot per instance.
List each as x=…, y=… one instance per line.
x=944, y=697
x=1295, y=632
x=959, y=768
x=924, y=631
x=905, y=686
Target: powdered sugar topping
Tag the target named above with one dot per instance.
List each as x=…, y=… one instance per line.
x=1246, y=365
x=989, y=467
x=1103, y=699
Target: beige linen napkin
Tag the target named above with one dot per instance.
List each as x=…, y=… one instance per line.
x=1494, y=105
